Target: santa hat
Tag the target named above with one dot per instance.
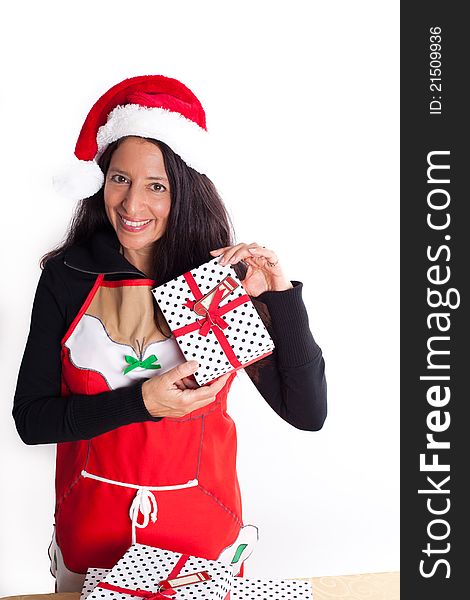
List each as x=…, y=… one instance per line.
x=150, y=106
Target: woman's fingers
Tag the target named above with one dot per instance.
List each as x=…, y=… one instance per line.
x=168, y=395
x=193, y=399
x=269, y=255
x=220, y=251
x=233, y=254
x=206, y=392
x=240, y=253
x=260, y=254
x=197, y=393
x=186, y=384
x=179, y=384
x=190, y=383
x=227, y=252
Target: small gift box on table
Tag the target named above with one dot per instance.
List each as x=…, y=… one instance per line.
x=156, y=574
x=242, y=589
x=213, y=320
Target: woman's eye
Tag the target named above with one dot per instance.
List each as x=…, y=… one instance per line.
x=118, y=178
x=158, y=187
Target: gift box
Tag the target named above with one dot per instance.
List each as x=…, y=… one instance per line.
x=242, y=588
x=156, y=574
x=213, y=320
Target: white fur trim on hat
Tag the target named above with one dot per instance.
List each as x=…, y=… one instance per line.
x=183, y=136
x=78, y=180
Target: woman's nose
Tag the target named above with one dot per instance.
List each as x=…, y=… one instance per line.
x=133, y=200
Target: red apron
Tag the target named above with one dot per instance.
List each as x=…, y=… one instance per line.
x=171, y=483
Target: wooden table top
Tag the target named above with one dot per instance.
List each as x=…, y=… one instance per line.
x=365, y=586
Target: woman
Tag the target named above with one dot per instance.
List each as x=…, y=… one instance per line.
x=147, y=449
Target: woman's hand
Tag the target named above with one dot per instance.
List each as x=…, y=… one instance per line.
x=174, y=394
x=264, y=273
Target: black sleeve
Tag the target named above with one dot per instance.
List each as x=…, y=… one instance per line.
x=41, y=414
x=292, y=379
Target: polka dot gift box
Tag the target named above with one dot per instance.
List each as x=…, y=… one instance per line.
x=213, y=320
x=242, y=589
x=156, y=574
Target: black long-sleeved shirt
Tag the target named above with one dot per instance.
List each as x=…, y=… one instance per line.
x=292, y=379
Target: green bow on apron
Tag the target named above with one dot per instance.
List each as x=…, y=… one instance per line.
x=133, y=363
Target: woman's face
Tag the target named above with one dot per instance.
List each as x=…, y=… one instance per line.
x=137, y=193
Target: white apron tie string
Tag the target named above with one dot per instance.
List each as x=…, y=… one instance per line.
x=144, y=501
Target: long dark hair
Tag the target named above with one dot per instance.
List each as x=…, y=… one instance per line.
x=198, y=222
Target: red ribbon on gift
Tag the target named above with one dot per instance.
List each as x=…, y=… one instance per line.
x=160, y=594
x=213, y=318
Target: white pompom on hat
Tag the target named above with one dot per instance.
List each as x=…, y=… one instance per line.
x=151, y=106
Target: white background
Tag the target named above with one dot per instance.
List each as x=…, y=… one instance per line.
x=302, y=103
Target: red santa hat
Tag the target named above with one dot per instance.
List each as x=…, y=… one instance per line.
x=150, y=106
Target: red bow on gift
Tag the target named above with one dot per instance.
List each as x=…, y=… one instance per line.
x=212, y=317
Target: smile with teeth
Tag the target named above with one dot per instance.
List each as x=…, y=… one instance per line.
x=134, y=223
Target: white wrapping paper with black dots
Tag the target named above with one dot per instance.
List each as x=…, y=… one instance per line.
x=242, y=588
x=92, y=578
x=213, y=320
x=270, y=589
x=145, y=567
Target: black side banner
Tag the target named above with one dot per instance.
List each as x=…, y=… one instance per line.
x=435, y=357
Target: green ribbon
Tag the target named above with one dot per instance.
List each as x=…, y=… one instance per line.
x=145, y=364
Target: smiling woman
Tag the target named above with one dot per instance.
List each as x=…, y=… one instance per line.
x=137, y=199
x=131, y=441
